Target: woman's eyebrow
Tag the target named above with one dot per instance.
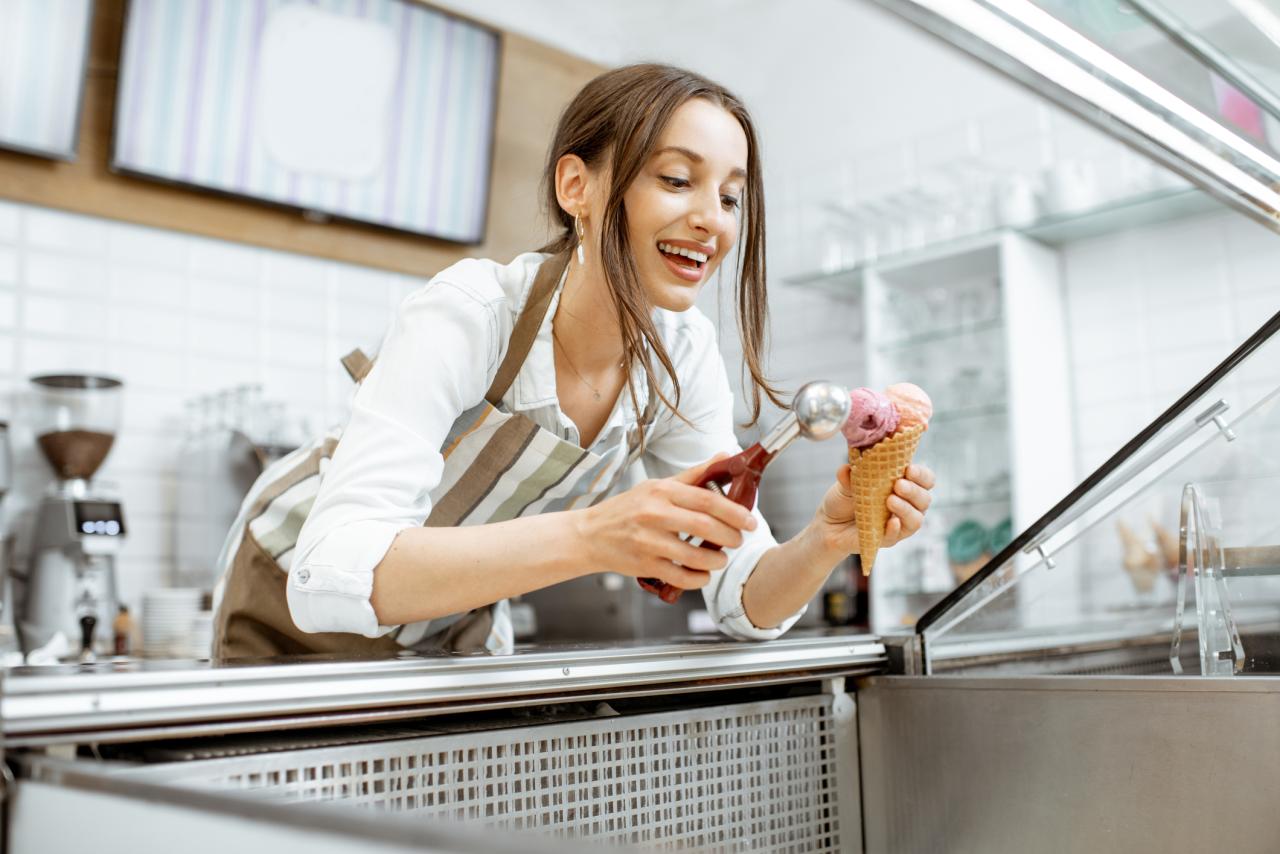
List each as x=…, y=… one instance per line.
x=736, y=172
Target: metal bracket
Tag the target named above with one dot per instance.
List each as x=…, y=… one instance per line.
x=1221, y=424
x=1044, y=556
x=904, y=653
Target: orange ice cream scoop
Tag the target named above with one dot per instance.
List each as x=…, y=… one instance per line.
x=914, y=406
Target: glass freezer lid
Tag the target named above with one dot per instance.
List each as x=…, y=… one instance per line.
x=1180, y=528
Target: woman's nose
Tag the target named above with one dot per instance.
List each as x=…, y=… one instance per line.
x=707, y=213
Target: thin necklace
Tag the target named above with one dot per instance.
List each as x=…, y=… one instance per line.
x=595, y=391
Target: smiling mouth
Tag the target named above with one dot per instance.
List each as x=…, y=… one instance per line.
x=688, y=258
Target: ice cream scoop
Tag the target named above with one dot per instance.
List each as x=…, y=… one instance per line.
x=914, y=406
x=872, y=416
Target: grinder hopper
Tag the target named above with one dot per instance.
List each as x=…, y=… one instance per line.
x=75, y=419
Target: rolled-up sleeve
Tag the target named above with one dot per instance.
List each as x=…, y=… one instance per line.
x=435, y=362
x=706, y=400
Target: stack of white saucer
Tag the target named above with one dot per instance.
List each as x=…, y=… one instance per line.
x=167, y=616
x=200, y=636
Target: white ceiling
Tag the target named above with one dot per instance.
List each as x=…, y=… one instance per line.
x=613, y=32
x=822, y=77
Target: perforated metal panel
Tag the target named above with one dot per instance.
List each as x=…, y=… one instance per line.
x=758, y=776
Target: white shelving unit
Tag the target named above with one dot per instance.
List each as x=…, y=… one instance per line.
x=980, y=326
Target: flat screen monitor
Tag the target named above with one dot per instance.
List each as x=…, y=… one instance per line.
x=44, y=48
x=379, y=111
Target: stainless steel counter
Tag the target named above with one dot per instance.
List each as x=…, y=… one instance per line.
x=146, y=700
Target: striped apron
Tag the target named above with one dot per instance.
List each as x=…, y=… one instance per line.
x=498, y=465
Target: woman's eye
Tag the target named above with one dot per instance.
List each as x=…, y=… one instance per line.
x=678, y=183
x=730, y=203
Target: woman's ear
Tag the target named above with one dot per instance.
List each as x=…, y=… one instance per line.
x=573, y=184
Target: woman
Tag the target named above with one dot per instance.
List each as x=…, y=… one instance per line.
x=487, y=444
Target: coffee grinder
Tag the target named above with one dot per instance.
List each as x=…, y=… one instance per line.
x=71, y=584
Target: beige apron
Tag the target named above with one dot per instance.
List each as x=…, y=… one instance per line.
x=498, y=465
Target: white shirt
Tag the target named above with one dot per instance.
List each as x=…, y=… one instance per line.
x=437, y=360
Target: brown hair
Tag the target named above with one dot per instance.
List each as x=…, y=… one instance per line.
x=616, y=119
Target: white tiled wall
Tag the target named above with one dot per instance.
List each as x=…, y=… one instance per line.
x=174, y=316
x=1152, y=310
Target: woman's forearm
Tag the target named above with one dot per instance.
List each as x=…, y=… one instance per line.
x=788, y=576
x=431, y=572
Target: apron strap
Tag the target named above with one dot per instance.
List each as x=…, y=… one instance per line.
x=357, y=364
x=527, y=325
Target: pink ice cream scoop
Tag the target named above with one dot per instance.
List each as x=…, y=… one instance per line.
x=872, y=416
x=914, y=406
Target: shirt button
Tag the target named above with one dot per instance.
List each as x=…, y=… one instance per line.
x=304, y=575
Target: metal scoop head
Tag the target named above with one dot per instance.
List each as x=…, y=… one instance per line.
x=821, y=409
x=818, y=412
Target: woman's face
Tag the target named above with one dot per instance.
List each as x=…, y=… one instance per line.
x=686, y=199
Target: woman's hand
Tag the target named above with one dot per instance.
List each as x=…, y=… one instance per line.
x=907, y=505
x=638, y=532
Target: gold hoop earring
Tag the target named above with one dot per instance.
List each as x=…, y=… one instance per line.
x=582, y=235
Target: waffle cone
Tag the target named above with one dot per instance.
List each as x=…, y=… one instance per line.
x=872, y=474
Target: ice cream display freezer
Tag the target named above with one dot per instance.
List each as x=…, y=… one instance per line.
x=698, y=745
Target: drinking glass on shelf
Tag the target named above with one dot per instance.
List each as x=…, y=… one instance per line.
x=968, y=469
x=888, y=227
x=997, y=486
x=905, y=310
x=915, y=208
x=938, y=308
x=837, y=250
x=968, y=306
x=944, y=223
x=988, y=300
x=994, y=383
x=966, y=383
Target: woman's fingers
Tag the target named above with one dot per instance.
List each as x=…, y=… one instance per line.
x=916, y=495
x=908, y=502
x=905, y=515
x=702, y=500
x=892, y=532
x=921, y=474
x=681, y=576
x=690, y=556
x=705, y=527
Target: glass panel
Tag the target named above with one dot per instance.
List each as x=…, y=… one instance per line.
x=1196, y=496
x=1217, y=57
